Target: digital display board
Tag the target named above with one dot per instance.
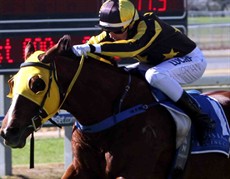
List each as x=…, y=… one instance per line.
x=163, y=8
x=44, y=22
x=37, y=9
x=12, y=48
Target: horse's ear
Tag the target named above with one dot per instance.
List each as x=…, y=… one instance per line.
x=29, y=50
x=63, y=45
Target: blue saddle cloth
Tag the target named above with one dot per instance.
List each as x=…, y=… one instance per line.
x=219, y=138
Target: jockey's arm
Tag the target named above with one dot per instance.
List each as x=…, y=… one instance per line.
x=131, y=47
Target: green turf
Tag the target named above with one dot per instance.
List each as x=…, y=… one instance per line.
x=49, y=150
x=208, y=20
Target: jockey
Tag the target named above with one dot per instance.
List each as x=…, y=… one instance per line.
x=170, y=57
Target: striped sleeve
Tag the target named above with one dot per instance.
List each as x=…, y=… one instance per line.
x=141, y=40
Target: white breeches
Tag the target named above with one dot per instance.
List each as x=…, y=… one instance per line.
x=168, y=75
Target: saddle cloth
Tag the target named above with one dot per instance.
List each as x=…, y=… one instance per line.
x=218, y=139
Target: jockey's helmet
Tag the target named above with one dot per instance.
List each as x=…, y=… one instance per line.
x=117, y=15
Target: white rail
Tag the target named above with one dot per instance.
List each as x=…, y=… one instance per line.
x=210, y=36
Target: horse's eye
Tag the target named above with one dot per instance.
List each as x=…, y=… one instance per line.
x=37, y=84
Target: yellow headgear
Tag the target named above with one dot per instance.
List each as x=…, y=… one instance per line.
x=21, y=85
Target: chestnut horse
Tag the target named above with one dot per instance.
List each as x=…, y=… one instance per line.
x=142, y=146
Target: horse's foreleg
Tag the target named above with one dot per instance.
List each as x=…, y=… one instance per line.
x=70, y=172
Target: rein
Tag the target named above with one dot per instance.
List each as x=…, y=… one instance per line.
x=37, y=119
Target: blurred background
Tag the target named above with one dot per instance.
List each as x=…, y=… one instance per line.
x=209, y=23
x=222, y=6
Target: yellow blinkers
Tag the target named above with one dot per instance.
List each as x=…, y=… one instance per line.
x=19, y=84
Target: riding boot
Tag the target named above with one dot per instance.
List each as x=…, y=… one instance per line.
x=202, y=122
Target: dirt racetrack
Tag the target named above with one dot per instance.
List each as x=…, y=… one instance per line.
x=41, y=171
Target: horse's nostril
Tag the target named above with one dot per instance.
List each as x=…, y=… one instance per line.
x=2, y=134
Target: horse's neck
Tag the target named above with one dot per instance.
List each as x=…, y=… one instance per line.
x=97, y=90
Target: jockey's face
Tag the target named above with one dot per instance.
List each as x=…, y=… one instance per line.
x=118, y=36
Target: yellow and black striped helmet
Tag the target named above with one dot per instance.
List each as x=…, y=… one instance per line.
x=117, y=15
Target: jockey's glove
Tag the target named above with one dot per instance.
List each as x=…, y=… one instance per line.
x=83, y=49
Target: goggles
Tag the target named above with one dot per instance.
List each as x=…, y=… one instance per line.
x=121, y=31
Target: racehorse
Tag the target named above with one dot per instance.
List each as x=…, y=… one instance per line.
x=92, y=89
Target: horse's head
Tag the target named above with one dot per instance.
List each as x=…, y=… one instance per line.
x=35, y=95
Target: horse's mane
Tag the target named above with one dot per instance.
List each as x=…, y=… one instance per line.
x=112, y=64
x=69, y=54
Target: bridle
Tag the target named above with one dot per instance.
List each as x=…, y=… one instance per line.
x=39, y=117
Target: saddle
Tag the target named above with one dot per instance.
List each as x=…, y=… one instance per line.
x=218, y=138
